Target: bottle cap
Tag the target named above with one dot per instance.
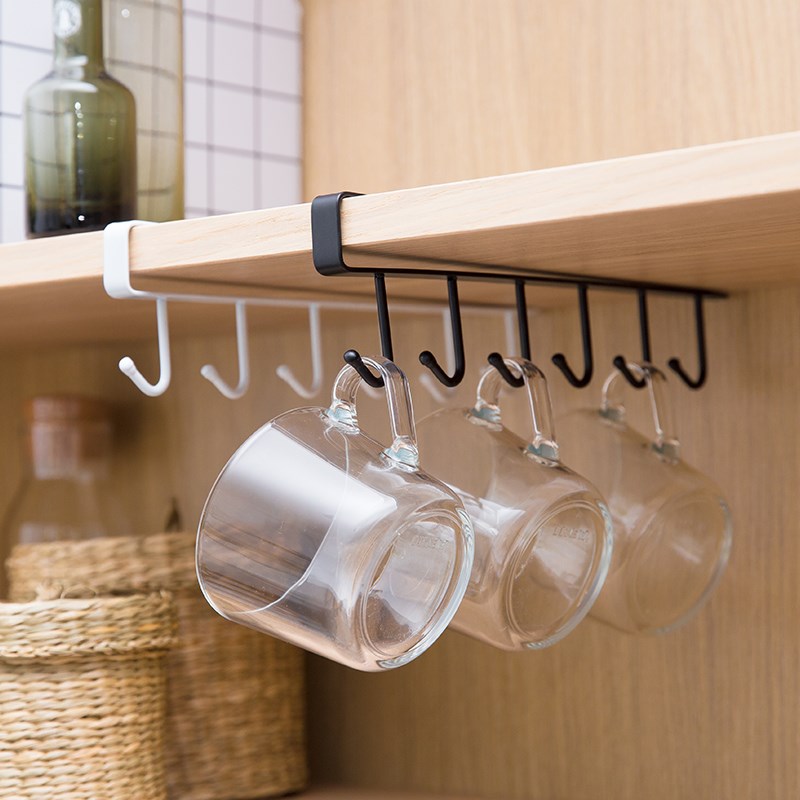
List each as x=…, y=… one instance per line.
x=68, y=436
x=66, y=408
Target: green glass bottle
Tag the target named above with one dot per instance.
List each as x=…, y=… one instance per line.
x=80, y=132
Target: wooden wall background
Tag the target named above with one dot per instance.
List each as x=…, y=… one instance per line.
x=409, y=92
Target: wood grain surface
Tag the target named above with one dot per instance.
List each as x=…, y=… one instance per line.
x=407, y=93
x=349, y=793
x=716, y=216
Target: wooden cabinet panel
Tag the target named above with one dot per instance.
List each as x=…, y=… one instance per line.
x=710, y=711
x=406, y=92
x=403, y=93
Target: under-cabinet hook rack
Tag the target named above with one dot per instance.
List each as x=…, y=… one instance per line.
x=117, y=283
x=328, y=256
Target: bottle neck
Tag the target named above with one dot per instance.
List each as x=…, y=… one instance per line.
x=78, y=32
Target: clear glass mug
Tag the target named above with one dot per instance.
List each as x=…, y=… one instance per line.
x=672, y=525
x=543, y=536
x=317, y=534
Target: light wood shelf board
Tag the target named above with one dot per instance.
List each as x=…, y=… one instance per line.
x=719, y=216
x=722, y=216
x=349, y=793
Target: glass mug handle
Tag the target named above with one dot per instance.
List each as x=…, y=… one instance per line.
x=543, y=439
x=613, y=408
x=403, y=449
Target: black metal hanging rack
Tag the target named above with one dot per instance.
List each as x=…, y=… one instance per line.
x=327, y=252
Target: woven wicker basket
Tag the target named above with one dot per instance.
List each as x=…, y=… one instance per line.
x=235, y=698
x=82, y=691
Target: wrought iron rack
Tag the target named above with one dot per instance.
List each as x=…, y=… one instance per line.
x=326, y=233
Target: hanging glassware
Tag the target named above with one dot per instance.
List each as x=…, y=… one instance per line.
x=144, y=47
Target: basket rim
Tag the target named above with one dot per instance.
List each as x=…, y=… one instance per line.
x=135, y=542
x=107, y=564
x=119, y=625
x=71, y=604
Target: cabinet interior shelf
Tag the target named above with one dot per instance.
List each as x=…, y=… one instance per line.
x=721, y=216
x=349, y=793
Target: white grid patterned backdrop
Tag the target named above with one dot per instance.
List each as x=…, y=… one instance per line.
x=242, y=103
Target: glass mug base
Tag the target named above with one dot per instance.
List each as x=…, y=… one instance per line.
x=536, y=603
x=672, y=569
x=571, y=537
x=380, y=627
x=383, y=625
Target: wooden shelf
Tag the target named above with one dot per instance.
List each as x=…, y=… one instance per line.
x=721, y=216
x=347, y=793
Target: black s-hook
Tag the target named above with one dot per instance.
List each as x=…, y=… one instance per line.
x=428, y=359
x=700, y=327
x=496, y=360
x=586, y=339
x=353, y=358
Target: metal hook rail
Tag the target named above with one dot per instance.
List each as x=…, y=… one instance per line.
x=328, y=256
x=117, y=283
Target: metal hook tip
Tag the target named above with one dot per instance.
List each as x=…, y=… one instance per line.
x=127, y=366
x=693, y=383
x=353, y=358
x=428, y=359
x=495, y=359
x=622, y=365
x=211, y=374
x=499, y=363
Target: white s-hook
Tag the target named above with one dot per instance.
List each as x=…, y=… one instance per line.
x=117, y=283
x=284, y=370
x=127, y=366
x=285, y=373
x=210, y=373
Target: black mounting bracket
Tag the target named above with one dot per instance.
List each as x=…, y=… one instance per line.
x=328, y=256
x=326, y=233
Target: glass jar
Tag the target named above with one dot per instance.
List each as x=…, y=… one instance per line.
x=65, y=492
